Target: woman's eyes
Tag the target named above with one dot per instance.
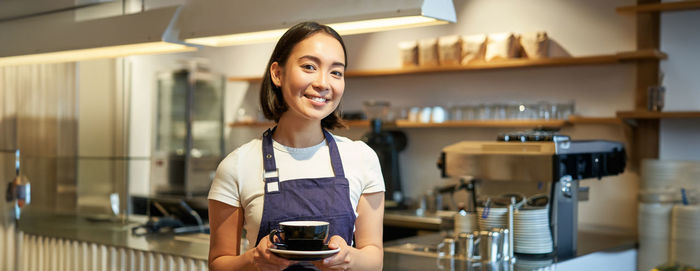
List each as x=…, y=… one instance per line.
x=308, y=67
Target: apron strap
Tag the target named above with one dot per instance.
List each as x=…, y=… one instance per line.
x=271, y=172
x=336, y=162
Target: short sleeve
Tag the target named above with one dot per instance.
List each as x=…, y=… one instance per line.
x=372, y=181
x=225, y=186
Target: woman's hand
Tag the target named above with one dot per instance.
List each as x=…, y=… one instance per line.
x=339, y=261
x=263, y=259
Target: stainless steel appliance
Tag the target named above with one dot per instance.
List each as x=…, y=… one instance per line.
x=189, y=140
x=554, y=166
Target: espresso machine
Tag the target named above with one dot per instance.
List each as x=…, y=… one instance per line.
x=551, y=163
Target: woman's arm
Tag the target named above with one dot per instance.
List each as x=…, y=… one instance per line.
x=369, y=251
x=226, y=225
x=368, y=232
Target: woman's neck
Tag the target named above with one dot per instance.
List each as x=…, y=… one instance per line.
x=298, y=134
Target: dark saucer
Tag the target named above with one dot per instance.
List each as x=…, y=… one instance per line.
x=298, y=255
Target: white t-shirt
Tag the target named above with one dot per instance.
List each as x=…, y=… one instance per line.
x=239, y=181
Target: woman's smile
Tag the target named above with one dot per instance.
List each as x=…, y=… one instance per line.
x=316, y=100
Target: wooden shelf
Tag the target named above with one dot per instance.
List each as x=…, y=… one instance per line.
x=660, y=7
x=594, y=120
x=350, y=123
x=505, y=64
x=251, y=124
x=657, y=115
x=575, y=120
x=484, y=124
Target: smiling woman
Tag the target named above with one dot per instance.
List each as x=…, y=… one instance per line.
x=306, y=45
x=299, y=170
x=312, y=84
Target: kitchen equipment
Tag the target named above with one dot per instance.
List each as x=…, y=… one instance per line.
x=471, y=246
x=189, y=141
x=18, y=191
x=387, y=145
x=493, y=244
x=532, y=167
x=446, y=247
x=505, y=244
x=465, y=222
x=465, y=245
x=490, y=245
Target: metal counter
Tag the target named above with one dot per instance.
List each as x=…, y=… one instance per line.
x=196, y=246
x=396, y=257
x=425, y=221
x=113, y=233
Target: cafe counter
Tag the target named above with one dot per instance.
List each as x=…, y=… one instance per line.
x=73, y=241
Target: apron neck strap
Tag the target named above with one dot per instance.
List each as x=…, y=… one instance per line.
x=269, y=154
x=336, y=162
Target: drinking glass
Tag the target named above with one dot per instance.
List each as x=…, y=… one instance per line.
x=564, y=110
x=498, y=111
x=455, y=113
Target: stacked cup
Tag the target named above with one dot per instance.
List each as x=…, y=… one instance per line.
x=685, y=235
x=654, y=234
x=465, y=222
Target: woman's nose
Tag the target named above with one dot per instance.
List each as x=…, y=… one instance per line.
x=321, y=82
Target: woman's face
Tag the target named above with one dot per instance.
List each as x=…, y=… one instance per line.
x=312, y=80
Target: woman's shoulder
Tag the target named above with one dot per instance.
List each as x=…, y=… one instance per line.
x=245, y=150
x=358, y=147
x=238, y=158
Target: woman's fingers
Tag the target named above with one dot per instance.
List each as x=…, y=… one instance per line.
x=266, y=260
x=340, y=260
x=279, y=260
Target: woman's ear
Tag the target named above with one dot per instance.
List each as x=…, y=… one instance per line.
x=276, y=74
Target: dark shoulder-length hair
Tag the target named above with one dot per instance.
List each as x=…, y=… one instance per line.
x=271, y=98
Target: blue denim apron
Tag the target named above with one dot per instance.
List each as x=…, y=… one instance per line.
x=319, y=199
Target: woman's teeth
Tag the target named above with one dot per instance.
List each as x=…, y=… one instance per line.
x=318, y=99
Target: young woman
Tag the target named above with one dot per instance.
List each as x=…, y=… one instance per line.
x=298, y=170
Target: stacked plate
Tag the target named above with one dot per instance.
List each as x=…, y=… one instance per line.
x=490, y=218
x=685, y=234
x=531, y=233
x=665, y=174
x=654, y=234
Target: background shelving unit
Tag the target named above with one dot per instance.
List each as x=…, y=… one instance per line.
x=660, y=7
x=657, y=115
x=573, y=120
x=620, y=57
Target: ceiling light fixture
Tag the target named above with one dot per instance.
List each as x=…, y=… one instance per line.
x=56, y=38
x=226, y=23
